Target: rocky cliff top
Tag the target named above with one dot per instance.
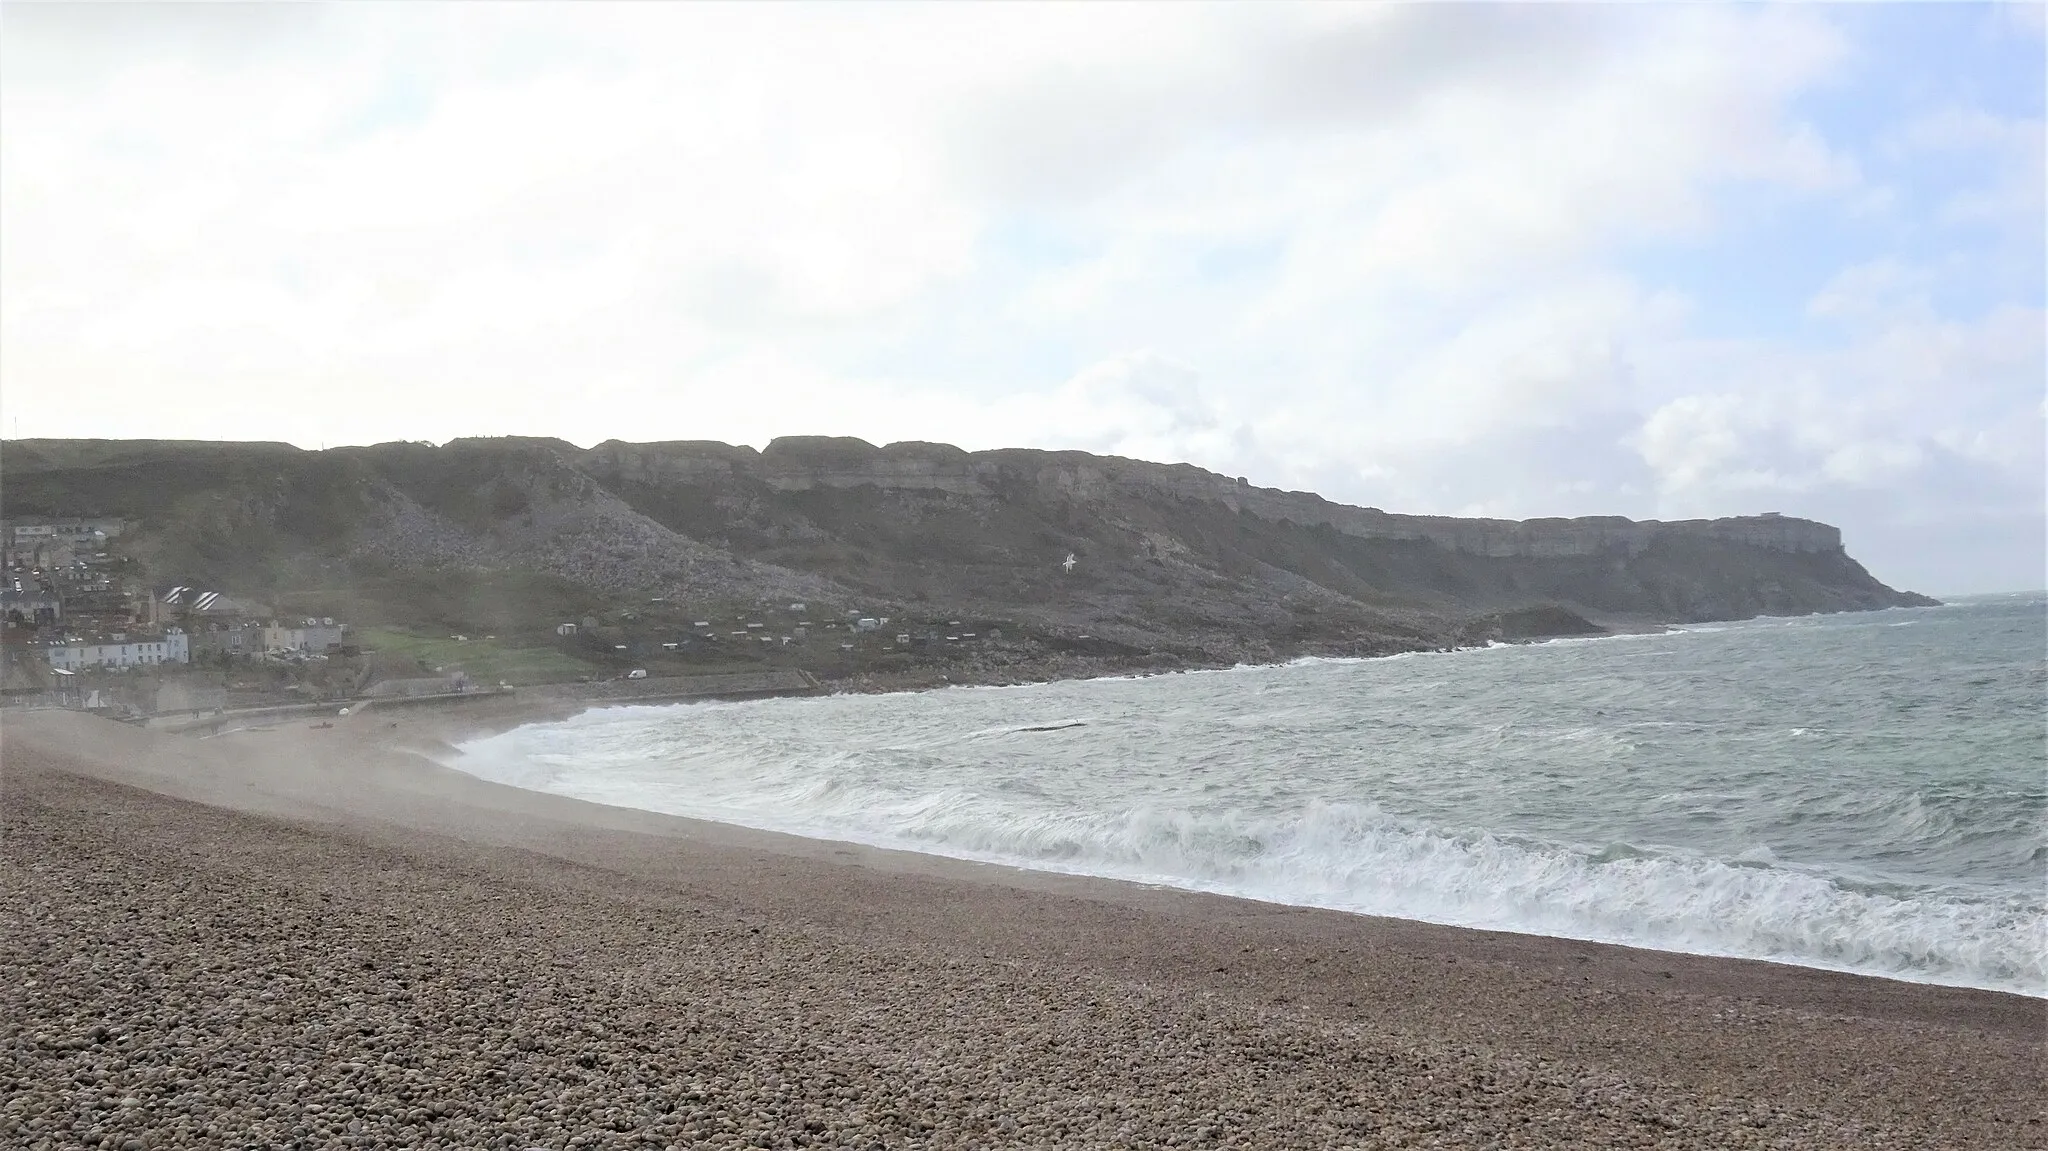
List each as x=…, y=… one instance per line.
x=799, y=463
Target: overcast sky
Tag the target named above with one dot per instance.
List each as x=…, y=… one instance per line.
x=1535, y=260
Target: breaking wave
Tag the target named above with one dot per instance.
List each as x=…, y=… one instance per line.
x=1360, y=859
x=1886, y=817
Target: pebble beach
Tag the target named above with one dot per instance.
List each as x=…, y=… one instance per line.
x=316, y=937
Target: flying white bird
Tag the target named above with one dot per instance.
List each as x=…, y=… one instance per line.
x=1068, y=563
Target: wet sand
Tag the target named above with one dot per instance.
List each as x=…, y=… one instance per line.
x=315, y=937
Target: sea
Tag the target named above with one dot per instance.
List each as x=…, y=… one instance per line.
x=1863, y=792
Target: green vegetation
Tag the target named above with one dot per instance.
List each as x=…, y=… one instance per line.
x=485, y=660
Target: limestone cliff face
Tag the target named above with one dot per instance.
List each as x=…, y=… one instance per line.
x=804, y=463
x=677, y=461
x=1169, y=557
x=799, y=463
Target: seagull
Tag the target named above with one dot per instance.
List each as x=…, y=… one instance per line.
x=1068, y=563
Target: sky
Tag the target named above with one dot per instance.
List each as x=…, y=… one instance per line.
x=1529, y=260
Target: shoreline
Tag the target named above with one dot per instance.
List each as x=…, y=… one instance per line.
x=453, y=726
x=423, y=737
x=1294, y=1026
x=457, y=735
x=1104, y=667
x=1058, y=668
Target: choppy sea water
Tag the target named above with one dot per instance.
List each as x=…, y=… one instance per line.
x=1866, y=792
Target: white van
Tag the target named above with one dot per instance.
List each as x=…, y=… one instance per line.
x=637, y=673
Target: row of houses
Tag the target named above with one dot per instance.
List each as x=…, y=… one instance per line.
x=122, y=650
x=307, y=636
x=97, y=604
x=59, y=572
x=175, y=645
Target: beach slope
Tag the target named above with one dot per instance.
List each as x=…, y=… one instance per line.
x=316, y=937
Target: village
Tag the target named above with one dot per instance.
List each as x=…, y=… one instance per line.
x=87, y=626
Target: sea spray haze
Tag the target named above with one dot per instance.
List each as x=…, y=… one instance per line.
x=1862, y=792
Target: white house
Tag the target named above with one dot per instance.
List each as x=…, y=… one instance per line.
x=173, y=646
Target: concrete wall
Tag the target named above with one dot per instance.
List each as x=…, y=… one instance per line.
x=400, y=688
x=774, y=681
x=181, y=696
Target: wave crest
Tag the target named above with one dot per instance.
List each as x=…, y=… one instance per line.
x=1357, y=858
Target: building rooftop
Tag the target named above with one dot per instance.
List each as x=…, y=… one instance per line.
x=15, y=591
x=104, y=637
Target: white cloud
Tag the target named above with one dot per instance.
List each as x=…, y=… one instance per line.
x=1877, y=290
x=641, y=185
x=2013, y=150
x=1694, y=441
x=1879, y=413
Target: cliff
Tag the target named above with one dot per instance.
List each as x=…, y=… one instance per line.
x=1168, y=557
x=805, y=463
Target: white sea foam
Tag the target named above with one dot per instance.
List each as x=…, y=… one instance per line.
x=1342, y=856
x=1839, y=794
